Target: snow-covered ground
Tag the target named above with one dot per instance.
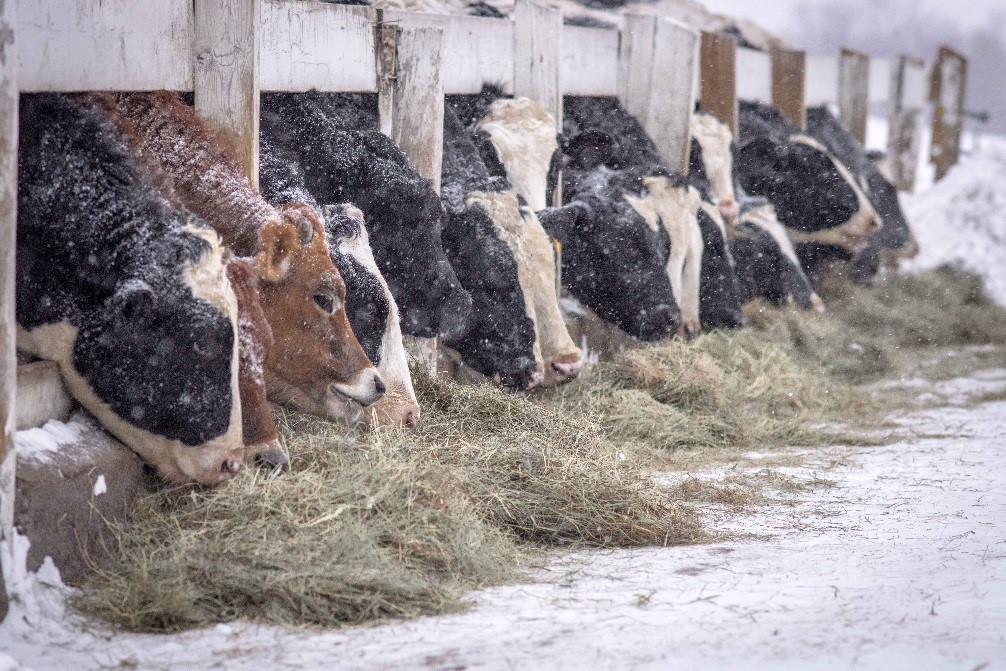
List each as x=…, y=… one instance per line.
x=900, y=565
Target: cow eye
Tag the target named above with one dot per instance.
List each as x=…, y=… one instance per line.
x=325, y=302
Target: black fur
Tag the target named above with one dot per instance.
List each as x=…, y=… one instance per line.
x=883, y=195
x=719, y=289
x=346, y=164
x=765, y=272
x=99, y=249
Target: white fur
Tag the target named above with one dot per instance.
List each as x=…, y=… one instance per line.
x=715, y=137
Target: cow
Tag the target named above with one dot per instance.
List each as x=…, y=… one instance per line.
x=505, y=259
x=817, y=199
x=316, y=362
x=370, y=306
x=766, y=263
x=127, y=293
x=707, y=298
x=895, y=239
x=403, y=213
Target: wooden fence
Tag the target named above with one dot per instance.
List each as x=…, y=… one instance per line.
x=228, y=51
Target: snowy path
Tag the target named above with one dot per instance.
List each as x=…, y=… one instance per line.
x=902, y=565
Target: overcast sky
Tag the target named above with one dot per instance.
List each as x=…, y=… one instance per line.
x=778, y=15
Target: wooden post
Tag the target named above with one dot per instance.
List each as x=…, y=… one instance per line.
x=947, y=90
x=8, y=238
x=719, y=78
x=789, y=77
x=537, y=62
x=226, y=73
x=854, y=92
x=658, y=62
x=415, y=118
x=907, y=99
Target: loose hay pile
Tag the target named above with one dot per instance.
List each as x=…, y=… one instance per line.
x=366, y=527
x=372, y=526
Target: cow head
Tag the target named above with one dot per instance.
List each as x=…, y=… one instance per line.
x=157, y=364
x=711, y=165
x=720, y=304
x=816, y=197
x=499, y=337
x=767, y=262
x=373, y=315
x=316, y=362
x=613, y=261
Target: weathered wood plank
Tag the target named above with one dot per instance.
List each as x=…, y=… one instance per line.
x=104, y=45
x=719, y=77
x=754, y=75
x=538, y=55
x=8, y=238
x=672, y=96
x=821, y=86
x=317, y=45
x=908, y=99
x=417, y=125
x=947, y=91
x=226, y=76
x=589, y=61
x=635, y=63
x=854, y=92
x=789, y=79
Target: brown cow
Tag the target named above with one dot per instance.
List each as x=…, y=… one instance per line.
x=316, y=360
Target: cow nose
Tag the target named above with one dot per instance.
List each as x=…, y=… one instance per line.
x=564, y=372
x=273, y=459
x=875, y=225
x=410, y=420
x=379, y=386
x=817, y=303
x=230, y=467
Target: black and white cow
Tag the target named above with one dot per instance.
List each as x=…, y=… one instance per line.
x=895, y=238
x=766, y=263
x=402, y=210
x=696, y=237
x=128, y=294
x=819, y=201
x=370, y=306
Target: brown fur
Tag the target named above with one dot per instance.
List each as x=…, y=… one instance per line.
x=312, y=350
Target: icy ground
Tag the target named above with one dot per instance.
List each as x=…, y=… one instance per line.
x=900, y=564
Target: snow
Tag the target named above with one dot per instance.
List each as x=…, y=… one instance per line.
x=39, y=444
x=902, y=564
x=99, y=486
x=961, y=220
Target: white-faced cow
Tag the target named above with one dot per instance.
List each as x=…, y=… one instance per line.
x=127, y=293
x=370, y=306
x=316, y=362
x=819, y=201
x=766, y=262
x=505, y=259
x=348, y=163
x=895, y=239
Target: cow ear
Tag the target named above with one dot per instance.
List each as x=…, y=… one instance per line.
x=487, y=150
x=591, y=149
x=133, y=298
x=280, y=242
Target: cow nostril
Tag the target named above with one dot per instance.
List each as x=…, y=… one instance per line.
x=379, y=385
x=230, y=466
x=272, y=459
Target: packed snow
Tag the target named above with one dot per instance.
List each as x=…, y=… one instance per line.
x=900, y=564
x=41, y=443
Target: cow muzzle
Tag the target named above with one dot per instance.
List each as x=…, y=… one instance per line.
x=366, y=390
x=559, y=372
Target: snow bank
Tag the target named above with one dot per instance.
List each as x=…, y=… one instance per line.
x=961, y=220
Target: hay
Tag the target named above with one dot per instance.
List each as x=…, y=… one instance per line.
x=375, y=526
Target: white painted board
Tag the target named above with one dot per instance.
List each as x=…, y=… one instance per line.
x=317, y=45
x=754, y=75
x=589, y=61
x=822, y=80
x=104, y=45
